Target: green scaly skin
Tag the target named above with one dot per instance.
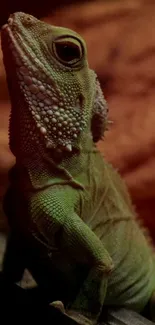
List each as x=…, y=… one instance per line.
x=71, y=218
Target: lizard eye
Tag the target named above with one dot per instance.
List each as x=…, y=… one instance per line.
x=67, y=51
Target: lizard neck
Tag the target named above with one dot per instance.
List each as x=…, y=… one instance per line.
x=42, y=170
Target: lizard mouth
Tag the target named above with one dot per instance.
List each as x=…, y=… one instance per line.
x=59, y=127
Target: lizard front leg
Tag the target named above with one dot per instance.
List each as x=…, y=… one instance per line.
x=80, y=241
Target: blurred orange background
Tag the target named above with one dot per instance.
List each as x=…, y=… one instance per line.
x=120, y=37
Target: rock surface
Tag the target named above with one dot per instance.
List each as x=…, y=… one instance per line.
x=121, y=48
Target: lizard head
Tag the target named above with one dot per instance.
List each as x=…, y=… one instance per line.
x=52, y=90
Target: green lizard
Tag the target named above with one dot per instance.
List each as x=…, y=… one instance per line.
x=71, y=218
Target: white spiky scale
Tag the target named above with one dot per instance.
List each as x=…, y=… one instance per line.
x=42, y=88
x=43, y=130
x=37, y=117
x=56, y=114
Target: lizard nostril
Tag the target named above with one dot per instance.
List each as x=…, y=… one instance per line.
x=27, y=20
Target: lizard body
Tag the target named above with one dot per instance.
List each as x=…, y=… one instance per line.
x=69, y=209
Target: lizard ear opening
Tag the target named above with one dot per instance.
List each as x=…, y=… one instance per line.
x=99, y=120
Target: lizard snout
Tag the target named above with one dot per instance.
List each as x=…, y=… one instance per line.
x=21, y=18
